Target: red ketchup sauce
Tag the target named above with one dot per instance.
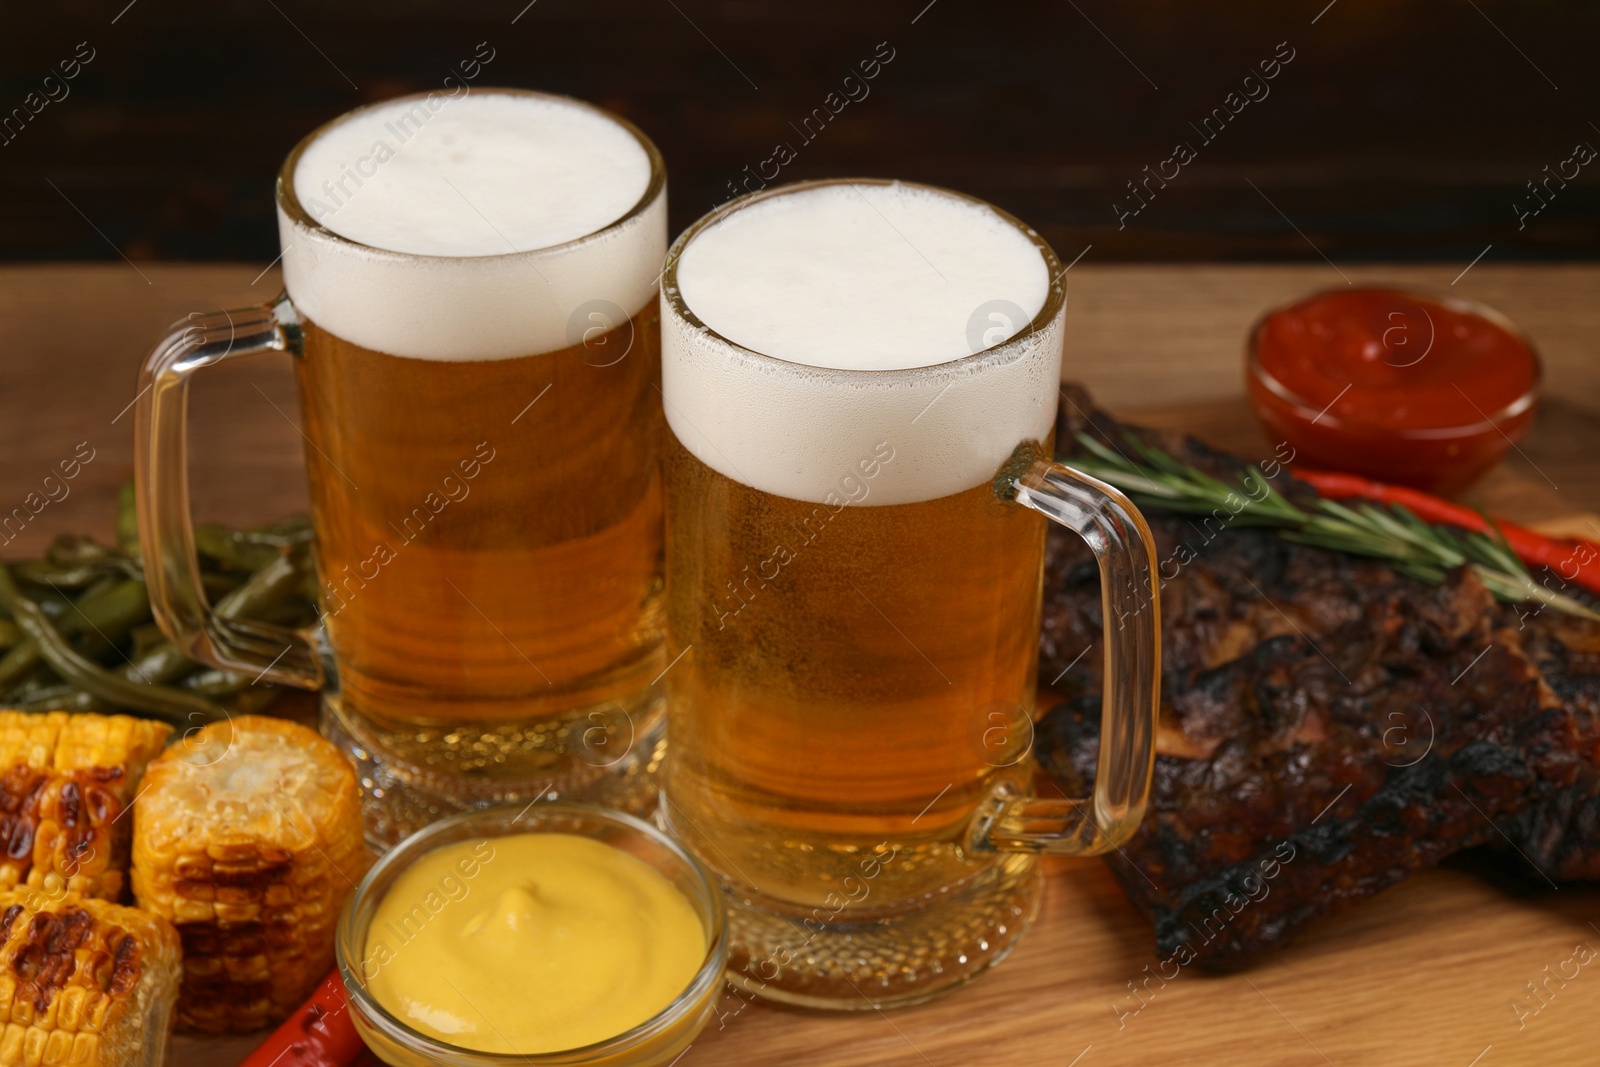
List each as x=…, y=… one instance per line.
x=1392, y=385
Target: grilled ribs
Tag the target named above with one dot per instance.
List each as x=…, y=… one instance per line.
x=1328, y=726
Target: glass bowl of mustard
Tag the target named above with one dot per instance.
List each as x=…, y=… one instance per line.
x=548, y=934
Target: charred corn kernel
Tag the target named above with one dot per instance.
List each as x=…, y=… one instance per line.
x=64, y=782
x=84, y=981
x=248, y=836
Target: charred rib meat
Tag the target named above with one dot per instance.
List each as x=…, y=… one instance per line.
x=1329, y=727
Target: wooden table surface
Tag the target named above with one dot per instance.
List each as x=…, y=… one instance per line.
x=1428, y=973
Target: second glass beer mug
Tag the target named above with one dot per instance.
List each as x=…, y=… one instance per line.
x=860, y=384
x=472, y=313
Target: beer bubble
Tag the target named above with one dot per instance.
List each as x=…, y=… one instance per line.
x=597, y=326
x=994, y=322
x=1001, y=733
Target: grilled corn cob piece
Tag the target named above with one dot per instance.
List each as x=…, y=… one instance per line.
x=65, y=781
x=248, y=836
x=84, y=982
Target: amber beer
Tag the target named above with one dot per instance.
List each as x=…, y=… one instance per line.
x=860, y=677
x=479, y=376
x=854, y=594
x=471, y=300
x=475, y=584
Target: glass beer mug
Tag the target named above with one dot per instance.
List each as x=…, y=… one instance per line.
x=860, y=382
x=472, y=314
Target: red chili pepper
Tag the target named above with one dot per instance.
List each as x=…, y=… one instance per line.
x=1572, y=559
x=318, y=1034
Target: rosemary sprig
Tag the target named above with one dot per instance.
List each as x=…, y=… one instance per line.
x=1394, y=533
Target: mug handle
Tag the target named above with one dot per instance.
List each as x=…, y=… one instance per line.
x=161, y=480
x=1131, y=609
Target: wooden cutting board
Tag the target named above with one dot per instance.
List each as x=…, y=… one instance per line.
x=1433, y=971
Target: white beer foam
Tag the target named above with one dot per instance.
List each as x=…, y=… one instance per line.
x=859, y=276
x=472, y=225
x=833, y=281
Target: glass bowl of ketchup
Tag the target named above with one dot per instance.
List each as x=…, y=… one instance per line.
x=1422, y=391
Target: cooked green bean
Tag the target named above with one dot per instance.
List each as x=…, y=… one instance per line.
x=16, y=663
x=233, y=547
x=212, y=682
x=64, y=616
x=75, y=618
x=100, y=610
x=292, y=532
x=128, y=521
x=60, y=698
x=262, y=591
x=103, y=616
x=163, y=702
x=120, y=605
x=162, y=663
x=69, y=550
x=77, y=576
x=101, y=588
x=36, y=681
x=145, y=637
x=268, y=586
x=54, y=602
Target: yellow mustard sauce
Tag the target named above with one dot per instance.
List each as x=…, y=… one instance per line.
x=530, y=943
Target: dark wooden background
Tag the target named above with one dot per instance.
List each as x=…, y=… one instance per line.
x=1401, y=130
